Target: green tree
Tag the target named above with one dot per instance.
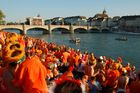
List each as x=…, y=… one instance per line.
x=2, y=16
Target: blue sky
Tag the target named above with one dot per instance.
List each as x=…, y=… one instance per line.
x=19, y=10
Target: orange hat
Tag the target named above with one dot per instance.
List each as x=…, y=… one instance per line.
x=13, y=52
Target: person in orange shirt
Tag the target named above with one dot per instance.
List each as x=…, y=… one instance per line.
x=77, y=57
x=65, y=56
x=31, y=75
x=112, y=77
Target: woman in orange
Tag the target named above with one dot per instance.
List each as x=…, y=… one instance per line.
x=31, y=75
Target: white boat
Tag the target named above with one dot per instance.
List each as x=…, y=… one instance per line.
x=121, y=39
x=76, y=40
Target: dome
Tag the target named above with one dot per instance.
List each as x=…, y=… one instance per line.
x=101, y=15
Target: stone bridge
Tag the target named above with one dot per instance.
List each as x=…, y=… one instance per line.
x=46, y=28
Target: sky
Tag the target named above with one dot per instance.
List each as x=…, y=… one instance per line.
x=19, y=10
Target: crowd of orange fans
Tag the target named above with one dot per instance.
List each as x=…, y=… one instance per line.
x=30, y=65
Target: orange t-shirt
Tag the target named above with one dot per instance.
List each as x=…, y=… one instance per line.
x=77, y=60
x=31, y=76
x=112, y=77
x=65, y=56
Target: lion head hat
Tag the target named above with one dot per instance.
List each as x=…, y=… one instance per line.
x=13, y=51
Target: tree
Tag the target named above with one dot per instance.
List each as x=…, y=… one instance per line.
x=2, y=16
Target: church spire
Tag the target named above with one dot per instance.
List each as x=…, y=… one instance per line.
x=104, y=11
x=38, y=15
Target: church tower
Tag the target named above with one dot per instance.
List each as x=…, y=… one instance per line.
x=104, y=11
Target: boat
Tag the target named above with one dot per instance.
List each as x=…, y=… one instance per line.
x=121, y=39
x=76, y=40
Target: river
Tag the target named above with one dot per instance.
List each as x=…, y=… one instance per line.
x=101, y=44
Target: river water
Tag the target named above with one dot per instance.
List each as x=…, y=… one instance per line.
x=101, y=44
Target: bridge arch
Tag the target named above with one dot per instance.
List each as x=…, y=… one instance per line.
x=94, y=30
x=80, y=30
x=61, y=29
x=11, y=27
x=17, y=30
x=59, y=26
x=106, y=30
x=37, y=30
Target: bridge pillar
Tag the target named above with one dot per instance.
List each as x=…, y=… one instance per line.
x=100, y=29
x=49, y=28
x=87, y=27
x=71, y=29
x=24, y=32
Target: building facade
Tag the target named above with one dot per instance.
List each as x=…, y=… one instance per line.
x=113, y=23
x=130, y=23
x=100, y=19
x=75, y=20
x=34, y=20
